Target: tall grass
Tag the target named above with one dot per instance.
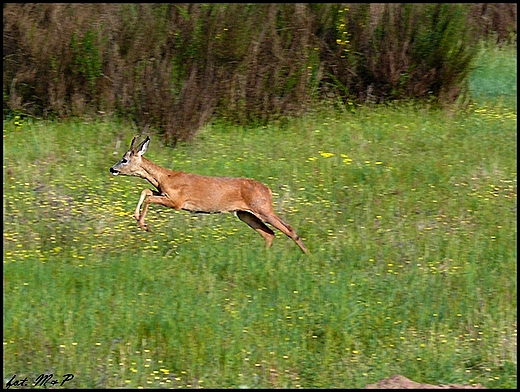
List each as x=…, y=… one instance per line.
x=409, y=214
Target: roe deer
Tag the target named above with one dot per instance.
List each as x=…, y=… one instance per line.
x=249, y=199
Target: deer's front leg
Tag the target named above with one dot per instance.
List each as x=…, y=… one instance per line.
x=157, y=198
x=137, y=214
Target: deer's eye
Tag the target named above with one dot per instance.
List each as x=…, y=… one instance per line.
x=124, y=160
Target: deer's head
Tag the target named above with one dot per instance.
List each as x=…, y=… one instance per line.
x=130, y=164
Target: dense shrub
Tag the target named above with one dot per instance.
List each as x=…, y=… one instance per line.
x=497, y=20
x=394, y=51
x=173, y=66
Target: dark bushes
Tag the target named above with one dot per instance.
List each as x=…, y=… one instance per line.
x=173, y=66
x=395, y=51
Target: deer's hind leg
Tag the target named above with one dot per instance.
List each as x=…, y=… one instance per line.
x=256, y=224
x=285, y=228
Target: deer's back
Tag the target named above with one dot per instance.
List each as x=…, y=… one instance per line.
x=216, y=194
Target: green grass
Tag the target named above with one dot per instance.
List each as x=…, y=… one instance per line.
x=494, y=78
x=409, y=214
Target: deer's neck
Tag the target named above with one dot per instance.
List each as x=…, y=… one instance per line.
x=155, y=174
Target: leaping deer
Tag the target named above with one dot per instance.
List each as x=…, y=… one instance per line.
x=249, y=199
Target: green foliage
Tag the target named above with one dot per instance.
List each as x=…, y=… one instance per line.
x=409, y=213
x=443, y=42
x=86, y=57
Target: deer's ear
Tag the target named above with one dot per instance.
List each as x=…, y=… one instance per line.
x=143, y=146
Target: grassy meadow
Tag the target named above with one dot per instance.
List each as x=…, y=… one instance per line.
x=409, y=214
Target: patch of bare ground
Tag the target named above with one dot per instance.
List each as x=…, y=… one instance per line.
x=400, y=382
